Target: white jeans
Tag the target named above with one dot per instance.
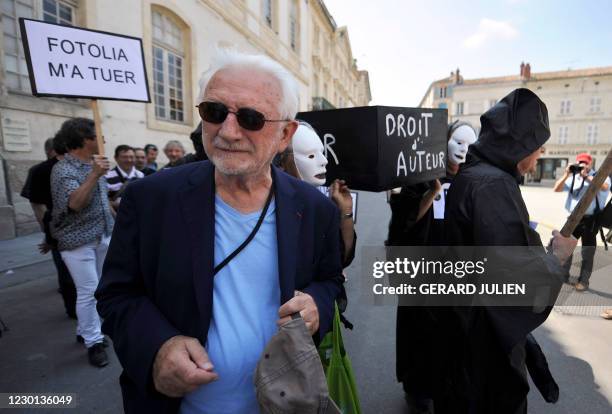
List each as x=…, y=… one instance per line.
x=85, y=265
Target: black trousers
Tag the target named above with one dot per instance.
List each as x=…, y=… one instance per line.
x=66, y=284
x=587, y=232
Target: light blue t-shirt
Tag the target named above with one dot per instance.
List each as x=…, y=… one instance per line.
x=580, y=187
x=246, y=298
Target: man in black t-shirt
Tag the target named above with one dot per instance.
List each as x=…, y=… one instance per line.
x=38, y=190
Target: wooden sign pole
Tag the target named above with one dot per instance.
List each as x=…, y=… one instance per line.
x=574, y=218
x=98, y=122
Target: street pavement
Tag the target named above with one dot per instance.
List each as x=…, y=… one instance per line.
x=39, y=353
x=577, y=342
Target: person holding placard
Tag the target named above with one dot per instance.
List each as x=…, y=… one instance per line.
x=305, y=160
x=417, y=361
x=82, y=224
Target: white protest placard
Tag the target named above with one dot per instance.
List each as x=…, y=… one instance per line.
x=74, y=62
x=439, y=203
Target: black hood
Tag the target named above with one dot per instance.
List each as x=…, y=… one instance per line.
x=511, y=130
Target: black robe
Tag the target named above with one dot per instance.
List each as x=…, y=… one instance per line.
x=404, y=230
x=423, y=333
x=484, y=207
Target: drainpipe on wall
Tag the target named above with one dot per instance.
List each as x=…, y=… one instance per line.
x=7, y=213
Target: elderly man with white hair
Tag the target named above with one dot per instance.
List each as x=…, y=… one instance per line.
x=174, y=150
x=237, y=248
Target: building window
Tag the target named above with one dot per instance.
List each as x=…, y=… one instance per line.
x=459, y=108
x=168, y=68
x=315, y=85
x=563, y=134
x=15, y=67
x=566, y=107
x=592, y=133
x=548, y=168
x=267, y=12
x=294, y=25
x=443, y=91
x=58, y=12
x=595, y=106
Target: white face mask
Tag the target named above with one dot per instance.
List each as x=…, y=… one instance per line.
x=308, y=156
x=458, y=144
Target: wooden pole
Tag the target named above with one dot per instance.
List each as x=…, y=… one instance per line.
x=98, y=122
x=594, y=187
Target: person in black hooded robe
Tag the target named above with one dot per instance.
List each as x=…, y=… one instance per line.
x=419, y=363
x=484, y=207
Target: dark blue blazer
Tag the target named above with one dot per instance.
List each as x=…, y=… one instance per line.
x=157, y=280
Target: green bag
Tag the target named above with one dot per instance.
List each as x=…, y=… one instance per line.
x=338, y=370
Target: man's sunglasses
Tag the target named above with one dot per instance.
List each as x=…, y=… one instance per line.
x=250, y=119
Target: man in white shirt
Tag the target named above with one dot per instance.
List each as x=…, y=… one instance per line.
x=576, y=181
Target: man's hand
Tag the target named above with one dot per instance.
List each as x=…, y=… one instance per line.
x=437, y=186
x=80, y=198
x=44, y=247
x=101, y=165
x=306, y=306
x=562, y=247
x=181, y=366
x=341, y=195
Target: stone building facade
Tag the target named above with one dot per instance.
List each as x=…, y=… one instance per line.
x=179, y=38
x=336, y=82
x=579, y=106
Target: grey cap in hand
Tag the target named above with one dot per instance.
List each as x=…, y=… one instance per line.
x=289, y=377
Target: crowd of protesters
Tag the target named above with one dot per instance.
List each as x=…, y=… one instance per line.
x=75, y=195
x=159, y=324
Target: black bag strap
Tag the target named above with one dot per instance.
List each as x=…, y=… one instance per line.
x=603, y=238
x=244, y=244
x=607, y=207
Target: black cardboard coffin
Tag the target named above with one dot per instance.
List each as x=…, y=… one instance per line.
x=377, y=148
